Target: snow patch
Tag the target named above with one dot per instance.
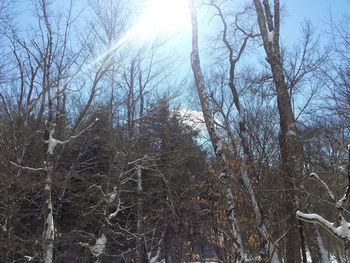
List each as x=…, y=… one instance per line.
x=50, y=226
x=154, y=259
x=344, y=229
x=49, y=254
x=3, y=227
x=47, y=188
x=291, y=133
x=99, y=246
x=270, y=36
x=29, y=258
x=139, y=180
x=52, y=142
x=324, y=257
x=275, y=258
x=51, y=145
x=219, y=146
x=50, y=234
x=112, y=198
x=340, y=202
x=116, y=212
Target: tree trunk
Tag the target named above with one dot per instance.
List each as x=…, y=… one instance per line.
x=216, y=141
x=49, y=227
x=289, y=140
x=316, y=246
x=302, y=241
x=139, y=239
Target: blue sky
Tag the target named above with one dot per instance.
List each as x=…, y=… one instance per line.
x=318, y=11
x=296, y=11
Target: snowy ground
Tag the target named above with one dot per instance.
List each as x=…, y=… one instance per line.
x=332, y=260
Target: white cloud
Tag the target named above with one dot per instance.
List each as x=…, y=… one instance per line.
x=193, y=118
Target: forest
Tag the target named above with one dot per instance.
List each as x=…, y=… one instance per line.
x=120, y=144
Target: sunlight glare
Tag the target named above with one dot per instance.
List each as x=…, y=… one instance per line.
x=165, y=16
x=158, y=18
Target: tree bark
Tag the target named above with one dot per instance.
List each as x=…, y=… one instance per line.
x=316, y=246
x=289, y=140
x=216, y=141
x=139, y=239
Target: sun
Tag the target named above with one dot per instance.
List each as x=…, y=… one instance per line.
x=164, y=16
x=158, y=18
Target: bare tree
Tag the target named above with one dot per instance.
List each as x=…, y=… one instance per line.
x=289, y=139
x=338, y=82
x=246, y=175
x=216, y=140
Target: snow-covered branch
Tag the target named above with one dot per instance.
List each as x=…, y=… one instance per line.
x=159, y=250
x=340, y=229
x=31, y=169
x=324, y=185
x=341, y=232
x=52, y=142
x=116, y=212
x=156, y=257
x=340, y=203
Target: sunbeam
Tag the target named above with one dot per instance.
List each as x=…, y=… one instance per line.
x=159, y=18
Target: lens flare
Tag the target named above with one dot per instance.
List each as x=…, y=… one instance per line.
x=159, y=18
x=165, y=16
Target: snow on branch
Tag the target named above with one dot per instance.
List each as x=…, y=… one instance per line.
x=270, y=36
x=31, y=169
x=143, y=159
x=50, y=223
x=116, y=212
x=324, y=185
x=112, y=197
x=340, y=229
x=99, y=246
x=341, y=232
x=52, y=142
x=3, y=227
x=156, y=258
x=340, y=203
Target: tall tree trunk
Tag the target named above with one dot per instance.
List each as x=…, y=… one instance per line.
x=216, y=141
x=139, y=239
x=316, y=246
x=8, y=225
x=49, y=226
x=289, y=140
x=302, y=241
